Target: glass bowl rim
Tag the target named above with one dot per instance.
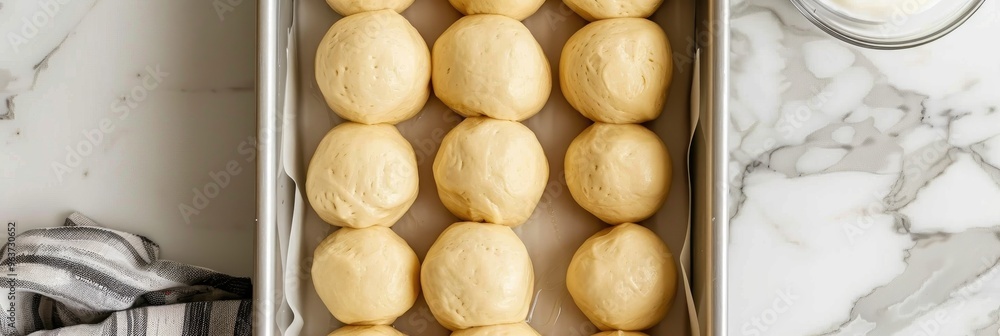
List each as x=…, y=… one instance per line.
x=824, y=24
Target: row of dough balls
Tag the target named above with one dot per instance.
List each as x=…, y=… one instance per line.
x=346, y=191
x=478, y=274
x=363, y=175
x=490, y=168
x=616, y=71
x=474, y=275
x=504, y=75
x=343, y=184
x=489, y=68
x=477, y=277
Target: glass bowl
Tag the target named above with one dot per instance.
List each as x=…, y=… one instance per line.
x=888, y=24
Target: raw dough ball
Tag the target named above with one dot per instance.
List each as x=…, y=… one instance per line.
x=373, y=68
x=517, y=329
x=366, y=331
x=620, y=333
x=491, y=65
x=593, y=10
x=623, y=278
x=366, y=276
x=351, y=7
x=490, y=170
x=617, y=71
x=516, y=9
x=619, y=173
x=362, y=175
x=476, y=275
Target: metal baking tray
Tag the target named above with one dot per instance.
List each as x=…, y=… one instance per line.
x=288, y=32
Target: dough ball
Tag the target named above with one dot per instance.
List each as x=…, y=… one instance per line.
x=373, y=68
x=593, y=10
x=623, y=278
x=366, y=331
x=362, y=175
x=617, y=71
x=620, y=333
x=491, y=65
x=490, y=170
x=516, y=9
x=619, y=173
x=476, y=275
x=351, y=7
x=516, y=329
x=366, y=276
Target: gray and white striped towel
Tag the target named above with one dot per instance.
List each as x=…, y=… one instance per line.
x=83, y=279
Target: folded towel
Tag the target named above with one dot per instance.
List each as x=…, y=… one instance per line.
x=83, y=279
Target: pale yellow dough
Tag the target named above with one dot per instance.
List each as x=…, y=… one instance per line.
x=490, y=170
x=362, y=175
x=373, y=68
x=477, y=275
x=351, y=7
x=366, y=331
x=619, y=173
x=593, y=10
x=516, y=9
x=491, y=65
x=623, y=278
x=516, y=329
x=620, y=333
x=617, y=71
x=366, y=276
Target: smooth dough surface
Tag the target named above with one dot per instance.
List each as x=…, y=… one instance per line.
x=516, y=329
x=623, y=278
x=477, y=274
x=491, y=65
x=366, y=276
x=351, y=7
x=515, y=9
x=617, y=71
x=373, y=68
x=620, y=333
x=619, y=173
x=593, y=10
x=490, y=170
x=366, y=331
x=362, y=175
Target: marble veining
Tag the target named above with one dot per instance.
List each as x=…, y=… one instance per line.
x=33, y=31
x=865, y=184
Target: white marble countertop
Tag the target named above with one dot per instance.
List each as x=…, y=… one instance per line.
x=121, y=110
x=866, y=184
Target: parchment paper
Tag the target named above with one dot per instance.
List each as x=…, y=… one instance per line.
x=557, y=228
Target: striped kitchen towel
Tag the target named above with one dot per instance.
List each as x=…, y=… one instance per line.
x=83, y=279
